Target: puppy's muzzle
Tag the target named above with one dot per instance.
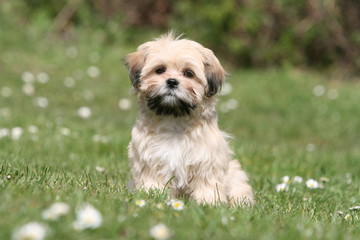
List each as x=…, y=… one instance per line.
x=172, y=83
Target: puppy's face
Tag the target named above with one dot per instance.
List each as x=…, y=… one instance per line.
x=174, y=76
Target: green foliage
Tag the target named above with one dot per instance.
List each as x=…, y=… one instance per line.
x=272, y=33
x=274, y=121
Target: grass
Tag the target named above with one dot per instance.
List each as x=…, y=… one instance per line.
x=279, y=127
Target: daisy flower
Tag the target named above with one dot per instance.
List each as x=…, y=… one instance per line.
x=324, y=179
x=87, y=217
x=354, y=208
x=160, y=232
x=42, y=77
x=27, y=77
x=93, y=71
x=347, y=217
x=282, y=187
x=298, y=179
x=312, y=184
x=286, y=179
x=177, y=204
x=30, y=231
x=124, y=104
x=84, y=112
x=140, y=203
x=55, y=211
x=16, y=133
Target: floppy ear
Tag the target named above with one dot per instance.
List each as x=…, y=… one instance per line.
x=214, y=72
x=134, y=63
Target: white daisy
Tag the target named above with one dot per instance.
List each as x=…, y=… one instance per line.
x=84, y=112
x=27, y=77
x=140, y=203
x=87, y=217
x=69, y=82
x=310, y=147
x=30, y=231
x=72, y=52
x=6, y=92
x=41, y=102
x=100, y=169
x=312, y=184
x=286, y=179
x=282, y=187
x=177, y=204
x=93, y=71
x=354, y=208
x=324, y=179
x=332, y=94
x=4, y=132
x=298, y=179
x=28, y=89
x=226, y=89
x=160, y=232
x=42, y=77
x=16, y=133
x=55, y=211
x=319, y=90
x=124, y=104
x=33, y=129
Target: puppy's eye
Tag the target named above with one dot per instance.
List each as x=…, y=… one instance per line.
x=160, y=70
x=188, y=73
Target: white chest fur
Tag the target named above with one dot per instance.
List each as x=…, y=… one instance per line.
x=171, y=153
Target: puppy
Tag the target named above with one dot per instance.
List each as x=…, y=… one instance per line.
x=176, y=142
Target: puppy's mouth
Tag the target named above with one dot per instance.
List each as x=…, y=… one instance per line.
x=169, y=105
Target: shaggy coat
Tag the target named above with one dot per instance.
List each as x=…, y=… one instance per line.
x=176, y=142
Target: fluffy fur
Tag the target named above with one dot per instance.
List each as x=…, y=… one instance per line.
x=176, y=142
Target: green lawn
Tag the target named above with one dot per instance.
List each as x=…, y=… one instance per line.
x=284, y=122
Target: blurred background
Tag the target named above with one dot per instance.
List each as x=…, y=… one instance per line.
x=320, y=34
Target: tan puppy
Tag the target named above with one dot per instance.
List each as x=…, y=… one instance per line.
x=176, y=142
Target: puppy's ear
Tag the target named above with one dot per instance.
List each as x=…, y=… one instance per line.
x=134, y=63
x=214, y=72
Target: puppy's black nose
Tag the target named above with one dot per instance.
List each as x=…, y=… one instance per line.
x=172, y=83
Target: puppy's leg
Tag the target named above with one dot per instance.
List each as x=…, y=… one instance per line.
x=208, y=190
x=239, y=191
x=145, y=179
